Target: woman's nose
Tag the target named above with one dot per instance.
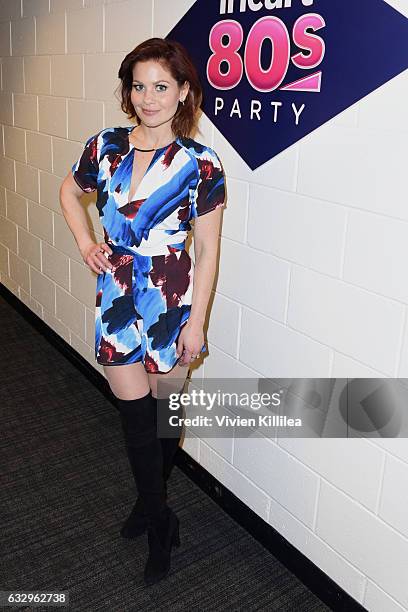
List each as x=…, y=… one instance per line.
x=149, y=96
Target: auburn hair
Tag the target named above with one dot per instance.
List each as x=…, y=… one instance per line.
x=175, y=58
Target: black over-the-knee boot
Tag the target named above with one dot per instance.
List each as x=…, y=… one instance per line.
x=146, y=460
x=136, y=523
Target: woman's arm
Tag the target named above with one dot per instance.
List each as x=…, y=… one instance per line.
x=75, y=216
x=206, y=240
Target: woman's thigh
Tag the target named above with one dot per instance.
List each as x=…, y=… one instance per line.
x=128, y=381
x=174, y=379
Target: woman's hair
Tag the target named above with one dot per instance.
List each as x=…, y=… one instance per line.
x=174, y=57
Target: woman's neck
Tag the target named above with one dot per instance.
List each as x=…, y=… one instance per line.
x=150, y=138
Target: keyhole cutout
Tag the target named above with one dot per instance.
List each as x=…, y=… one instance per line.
x=141, y=163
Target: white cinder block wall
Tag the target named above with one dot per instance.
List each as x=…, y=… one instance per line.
x=312, y=279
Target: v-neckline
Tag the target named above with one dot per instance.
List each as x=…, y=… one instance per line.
x=157, y=154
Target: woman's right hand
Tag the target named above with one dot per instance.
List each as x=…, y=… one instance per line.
x=94, y=257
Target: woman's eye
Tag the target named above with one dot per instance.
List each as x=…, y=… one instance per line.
x=163, y=86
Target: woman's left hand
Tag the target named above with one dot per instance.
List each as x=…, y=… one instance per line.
x=190, y=342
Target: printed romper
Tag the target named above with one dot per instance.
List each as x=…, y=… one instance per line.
x=143, y=302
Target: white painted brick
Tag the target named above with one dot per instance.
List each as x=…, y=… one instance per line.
x=61, y=329
x=345, y=367
x=67, y=76
x=43, y=290
x=133, y=24
x=65, y=5
x=87, y=39
x=373, y=113
x=35, y=7
x=218, y=362
x=394, y=495
x=6, y=107
x=2, y=201
x=397, y=447
x=16, y=208
x=364, y=540
x=64, y=239
x=297, y=228
x=51, y=34
x=376, y=600
x=27, y=181
x=23, y=37
x=328, y=560
x=49, y=191
x=279, y=172
x=14, y=143
x=4, y=266
x=25, y=111
x=13, y=74
x=5, y=39
x=376, y=252
x=114, y=115
x=39, y=150
x=29, y=248
x=40, y=221
x=267, y=290
x=84, y=119
x=101, y=76
x=224, y=324
x=341, y=165
x=278, y=351
x=19, y=271
x=71, y=312
x=283, y=478
x=82, y=348
x=234, y=217
x=55, y=265
x=339, y=461
x=8, y=234
x=83, y=284
x=37, y=74
x=52, y=116
x=357, y=323
x=7, y=173
x=165, y=20
x=234, y=481
x=65, y=153
x=90, y=326
x=10, y=9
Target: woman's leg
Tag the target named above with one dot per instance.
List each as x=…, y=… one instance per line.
x=176, y=379
x=137, y=409
x=169, y=436
x=127, y=382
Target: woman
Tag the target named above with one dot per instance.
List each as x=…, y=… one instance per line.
x=151, y=180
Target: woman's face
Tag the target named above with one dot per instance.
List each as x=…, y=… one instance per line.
x=155, y=93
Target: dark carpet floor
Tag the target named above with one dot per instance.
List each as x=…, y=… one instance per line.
x=66, y=489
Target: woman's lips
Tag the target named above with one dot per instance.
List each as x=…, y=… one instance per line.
x=149, y=112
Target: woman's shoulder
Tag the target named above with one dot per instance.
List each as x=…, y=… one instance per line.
x=199, y=151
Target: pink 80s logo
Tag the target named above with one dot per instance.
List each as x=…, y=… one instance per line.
x=275, y=30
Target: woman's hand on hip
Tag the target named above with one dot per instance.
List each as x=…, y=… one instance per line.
x=190, y=343
x=95, y=257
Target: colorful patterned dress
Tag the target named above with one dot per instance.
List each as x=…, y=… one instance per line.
x=143, y=302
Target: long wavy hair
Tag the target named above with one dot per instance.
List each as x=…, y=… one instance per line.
x=174, y=57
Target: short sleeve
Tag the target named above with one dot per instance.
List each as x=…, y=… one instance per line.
x=210, y=190
x=85, y=171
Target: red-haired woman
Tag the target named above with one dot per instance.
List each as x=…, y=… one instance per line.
x=151, y=300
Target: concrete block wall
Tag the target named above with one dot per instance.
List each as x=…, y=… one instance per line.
x=312, y=276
